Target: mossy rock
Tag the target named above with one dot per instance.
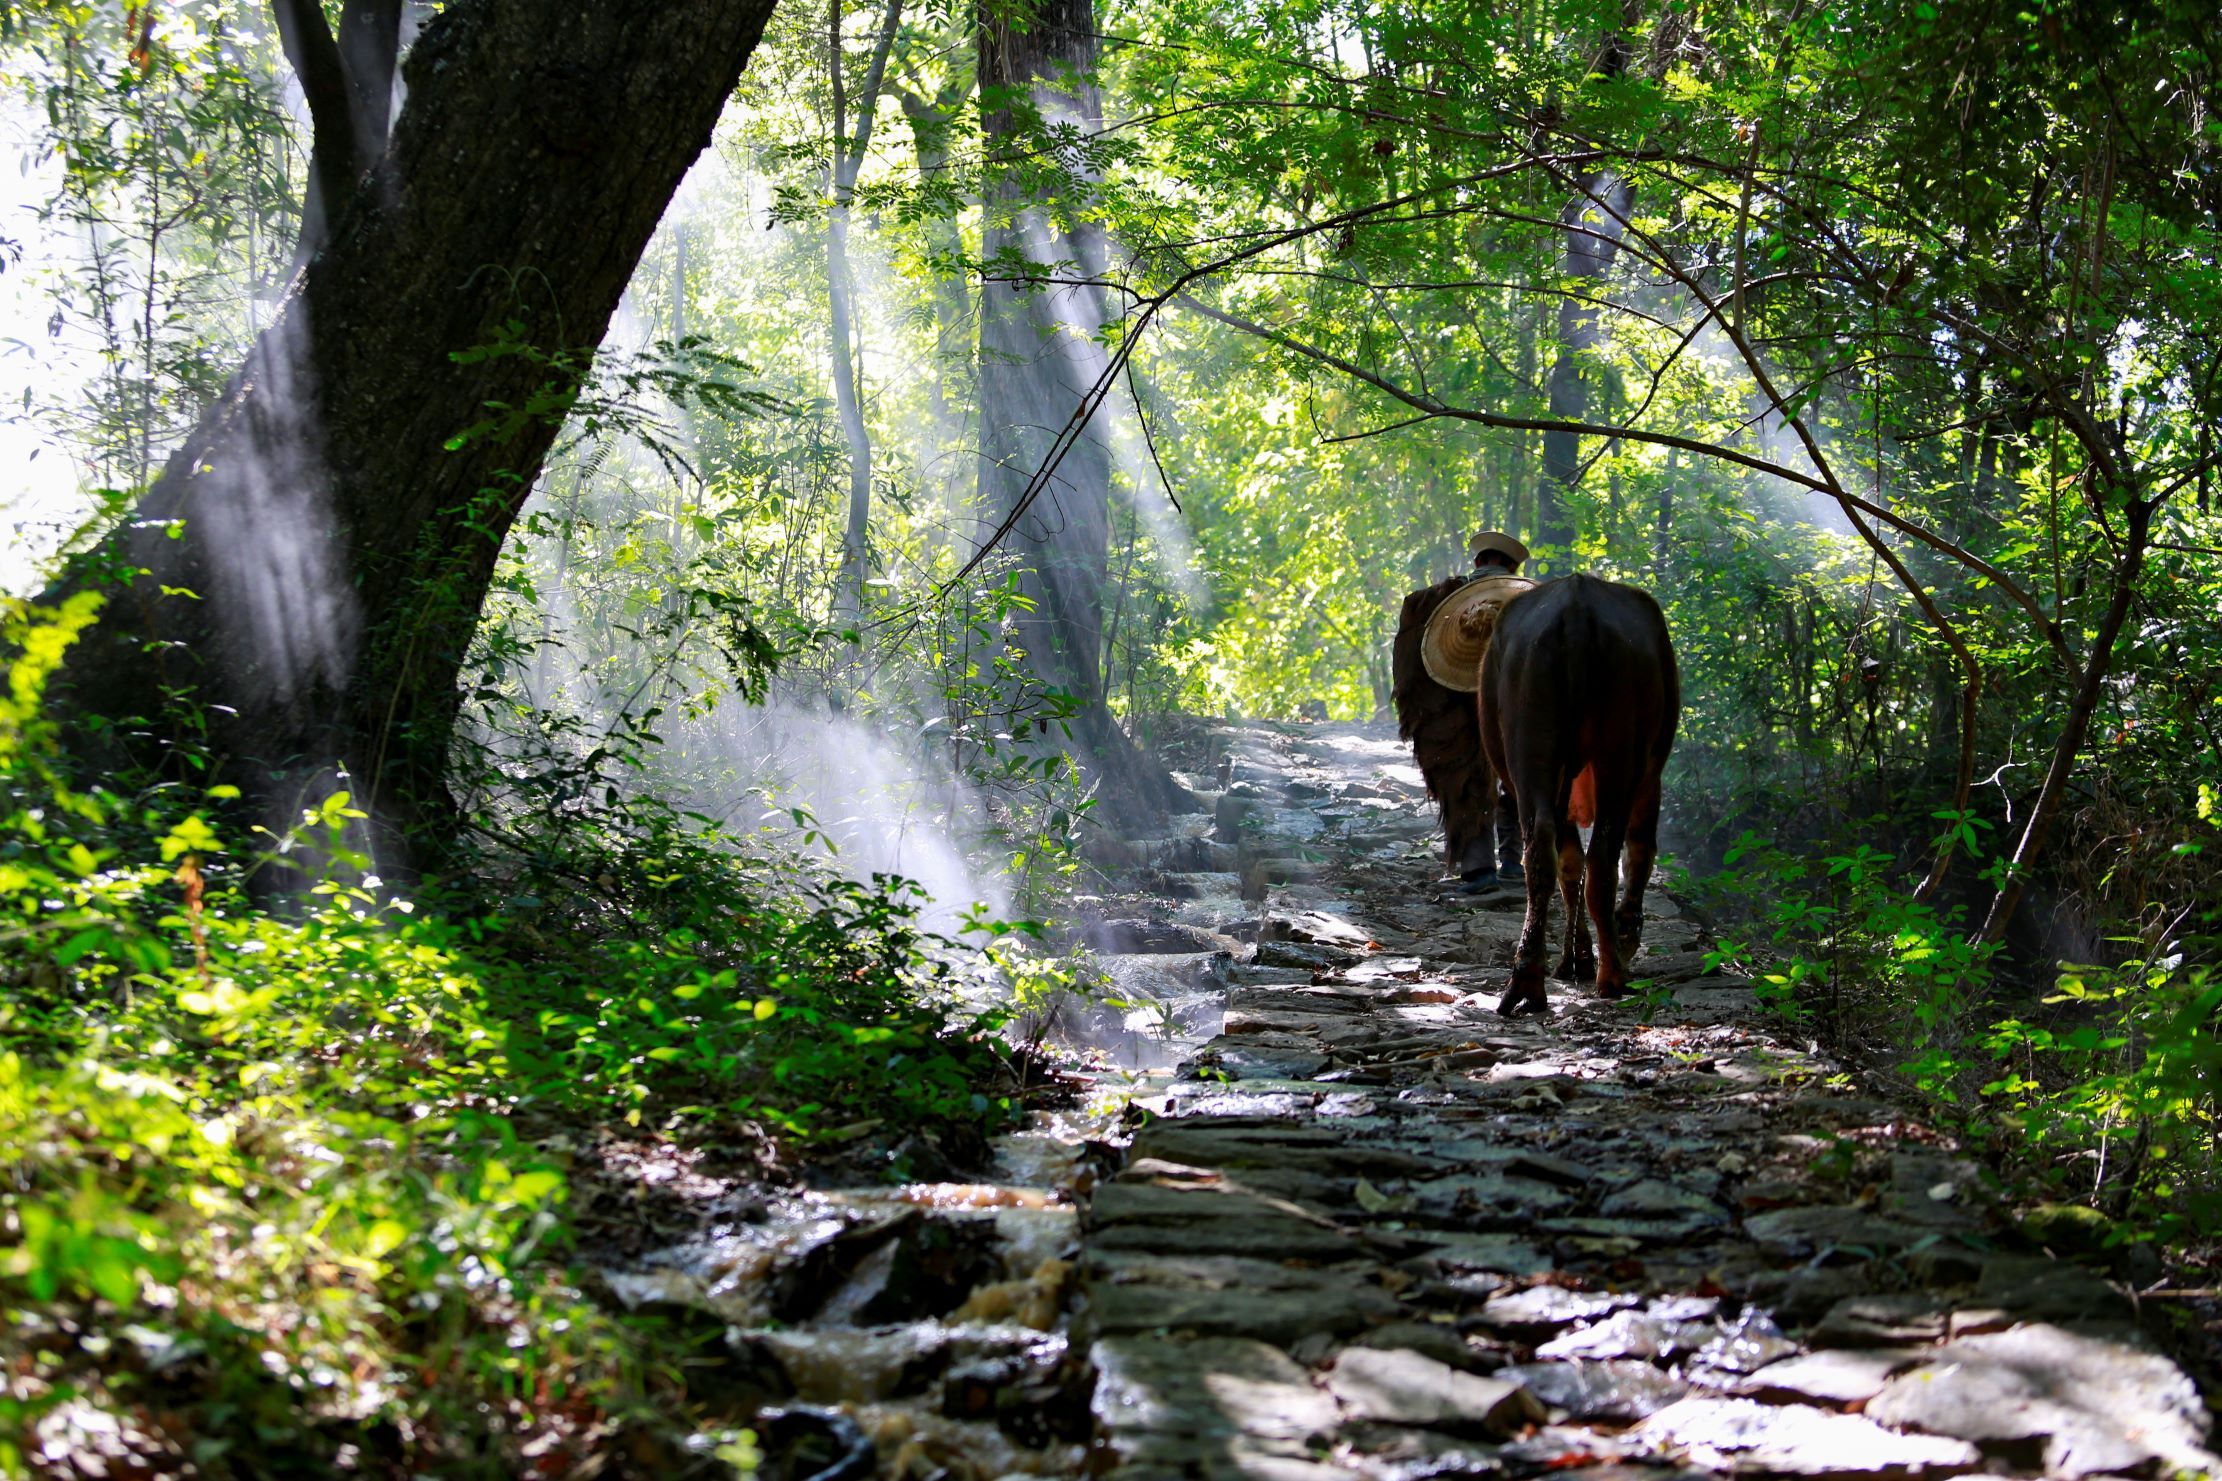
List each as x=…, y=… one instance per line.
x=2068, y=1228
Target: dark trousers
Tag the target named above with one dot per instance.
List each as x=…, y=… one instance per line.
x=1474, y=861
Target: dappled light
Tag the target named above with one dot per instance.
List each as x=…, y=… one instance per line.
x=811, y=739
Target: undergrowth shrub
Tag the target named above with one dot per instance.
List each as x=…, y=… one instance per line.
x=2091, y=1083
x=290, y=1174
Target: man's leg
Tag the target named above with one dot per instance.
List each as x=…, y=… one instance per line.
x=1508, y=835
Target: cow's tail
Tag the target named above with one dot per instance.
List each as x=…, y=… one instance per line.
x=1581, y=803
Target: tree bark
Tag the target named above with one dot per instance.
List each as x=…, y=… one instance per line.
x=1038, y=358
x=308, y=570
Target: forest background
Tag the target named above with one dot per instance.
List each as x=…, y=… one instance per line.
x=1003, y=388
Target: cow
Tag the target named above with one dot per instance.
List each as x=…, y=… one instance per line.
x=1581, y=676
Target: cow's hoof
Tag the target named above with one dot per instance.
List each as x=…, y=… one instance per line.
x=1576, y=969
x=1517, y=1001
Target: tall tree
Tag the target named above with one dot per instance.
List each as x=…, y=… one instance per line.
x=308, y=570
x=1041, y=364
x=847, y=162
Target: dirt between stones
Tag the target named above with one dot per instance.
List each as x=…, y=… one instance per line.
x=1370, y=1230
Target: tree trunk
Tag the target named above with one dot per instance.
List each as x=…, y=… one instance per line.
x=930, y=121
x=848, y=392
x=308, y=570
x=1592, y=241
x=2085, y=704
x=1038, y=357
x=849, y=406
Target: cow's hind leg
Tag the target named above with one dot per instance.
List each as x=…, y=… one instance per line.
x=1643, y=852
x=1576, y=963
x=1526, y=993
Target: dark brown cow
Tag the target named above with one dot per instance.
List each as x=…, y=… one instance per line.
x=1581, y=675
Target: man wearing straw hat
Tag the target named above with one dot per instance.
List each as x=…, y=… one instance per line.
x=1441, y=636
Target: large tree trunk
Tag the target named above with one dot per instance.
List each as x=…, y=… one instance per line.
x=311, y=563
x=1038, y=359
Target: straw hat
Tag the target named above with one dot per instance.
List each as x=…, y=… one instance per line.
x=1458, y=634
x=1499, y=541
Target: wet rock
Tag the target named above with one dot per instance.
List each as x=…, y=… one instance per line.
x=1150, y=938
x=1505, y=1253
x=1249, y=1145
x=1882, y=1321
x=1322, y=928
x=1205, y=1407
x=2039, y=1288
x=1750, y=1342
x=1613, y=1392
x=1205, y=1222
x=1242, y=975
x=1832, y=1229
x=1486, y=1199
x=1405, y=1387
x=1153, y=976
x=1652, y=1198
x=1631, y=1334
x=1432, y=1340
x=1259, y=1059
x=1228, y=1296
x=1204, y=885
x=1229, y=813
x=1839, y=1376
x=2041, y=1395
x=803, y=1440
x=1303, y=954
x=1793, y=1440
x=1527, y=1161
x=1541, y=1310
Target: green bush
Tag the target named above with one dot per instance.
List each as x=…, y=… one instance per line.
x=282, y=1173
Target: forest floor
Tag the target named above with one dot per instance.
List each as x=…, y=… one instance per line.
x=1323, y=1214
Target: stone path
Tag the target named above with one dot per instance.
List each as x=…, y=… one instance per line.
x=1368, y=1229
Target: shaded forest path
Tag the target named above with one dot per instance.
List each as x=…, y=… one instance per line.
x=1323, y=1215
x=1369, y=1229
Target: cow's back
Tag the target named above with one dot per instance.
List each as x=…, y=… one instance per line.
x=1579, y=649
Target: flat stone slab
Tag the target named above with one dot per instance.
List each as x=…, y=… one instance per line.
x=1227, y=1296
x=1613, y=1392
x=1835, y=1377
x=1204, y=1221
x=1399, y=1386
x=2039, y=1394
x=1207, y=1407
x=1743, y=1435
x=1549, y=1308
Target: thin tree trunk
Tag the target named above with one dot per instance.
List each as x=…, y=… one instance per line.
x=2050, y=795
x=848, y=395
x=1592, y=241
x=312, y=561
